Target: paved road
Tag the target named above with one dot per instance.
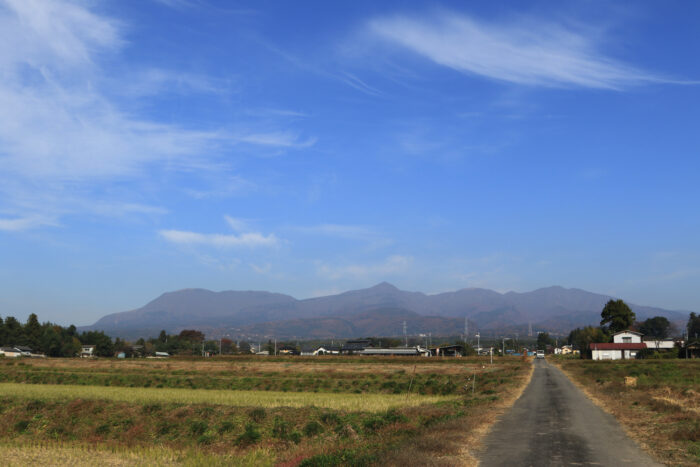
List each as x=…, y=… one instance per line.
x=555, y=424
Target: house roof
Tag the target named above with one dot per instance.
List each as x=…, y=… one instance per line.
x=627, y=331
x=356, y=345
x=614, y=346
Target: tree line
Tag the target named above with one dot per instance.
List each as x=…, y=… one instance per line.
x=52, y=339
x=187, y=342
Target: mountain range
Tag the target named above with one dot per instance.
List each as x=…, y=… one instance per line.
x=376, y=311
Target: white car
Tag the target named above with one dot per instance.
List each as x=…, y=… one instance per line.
x=540, y=354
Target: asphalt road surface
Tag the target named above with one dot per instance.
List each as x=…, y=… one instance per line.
x=555, y=424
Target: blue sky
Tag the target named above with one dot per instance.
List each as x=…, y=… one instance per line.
x=314, y=147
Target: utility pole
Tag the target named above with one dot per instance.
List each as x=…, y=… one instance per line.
x=504, y=345
x=275, y=346
x=405, y=336
x=466, y=330
x=478, y=341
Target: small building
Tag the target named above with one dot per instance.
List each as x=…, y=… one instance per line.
x=395, y=351
x=355, y=346
x=137, y=350
x=627, y=337
x=660, y=344
x=564, y=350
x=87, y=351
x=454, y=350
x=327, y=350
x=10, y=352
x=693, y=349
x=616, y=351
x=287, y=350
x=24, y=350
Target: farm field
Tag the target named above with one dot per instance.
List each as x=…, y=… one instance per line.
x=251, y=411
x=657, y=401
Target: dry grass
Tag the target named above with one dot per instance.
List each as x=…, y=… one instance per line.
x=458, y=441
x=77, y=455
x=256, y=365
x=429, y=429
x=663, y=419
x=338, y=401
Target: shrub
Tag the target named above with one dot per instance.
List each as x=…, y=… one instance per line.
x=35, y=404
x=151, y=408
x=165, y=427
x=225, y=427
x=280, y=428
x=21, y=426
x=393, y=416
x=330, y=418
x=206, y=438
x=198, y=427
x=257, y=415
x=250, y=436
x=373, y=423
x=313, y=428
x=102, y=429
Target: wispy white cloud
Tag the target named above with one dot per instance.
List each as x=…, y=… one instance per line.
x=392, y=265
x=355, y=82
x=337, y=230
x=25, y=223
x=237, y=225
x=64, y=127
x=177, y=4
x=242, y=238
x=529, y=51
x=283, y=139
x=251, y=239
x=220, y=186
x=157, y=81
x=270, y=112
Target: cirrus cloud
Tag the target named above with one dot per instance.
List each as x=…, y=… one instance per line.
x=531, y=52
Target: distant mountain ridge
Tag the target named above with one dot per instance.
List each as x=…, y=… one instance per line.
x=378, y=310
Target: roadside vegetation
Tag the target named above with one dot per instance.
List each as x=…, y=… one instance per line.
x=657, y=401
x=260, y=411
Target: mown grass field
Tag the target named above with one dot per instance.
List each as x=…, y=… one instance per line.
x=658, y=402
x=251, y=411
x=266, y=399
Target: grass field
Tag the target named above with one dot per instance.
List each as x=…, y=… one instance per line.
x=658, y=402
x=320, y=374
x=251, y=411
x=266, y=399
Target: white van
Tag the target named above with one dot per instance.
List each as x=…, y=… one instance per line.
x=540, y=354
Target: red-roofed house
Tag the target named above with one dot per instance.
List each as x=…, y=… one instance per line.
x=625, y=345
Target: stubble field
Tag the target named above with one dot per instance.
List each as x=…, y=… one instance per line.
x=252, y=411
